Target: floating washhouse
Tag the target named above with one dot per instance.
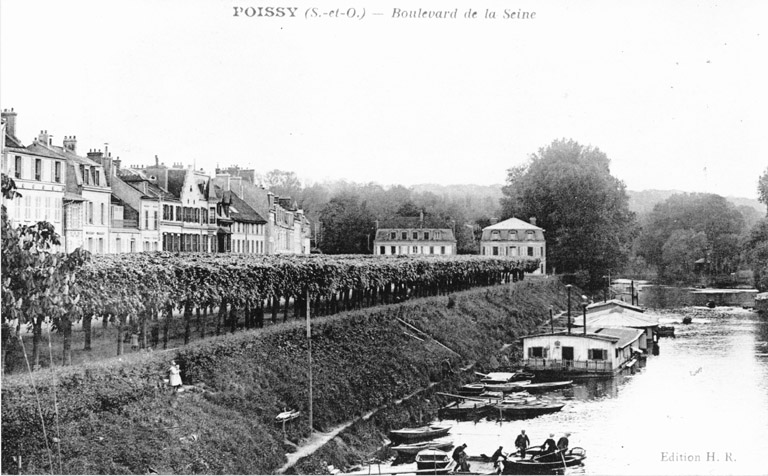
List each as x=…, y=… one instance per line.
x=615, y=313
x=590, y=351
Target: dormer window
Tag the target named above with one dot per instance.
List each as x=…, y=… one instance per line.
x=530, y=235
x=415, y=235
x=392, y=235
x=426, y=235
x=513, y=235
x=404, y=235
x=495, y=235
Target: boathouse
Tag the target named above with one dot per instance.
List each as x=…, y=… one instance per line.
x=599, y=350
x=619, y=314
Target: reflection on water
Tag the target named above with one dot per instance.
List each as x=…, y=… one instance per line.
x=700, y=407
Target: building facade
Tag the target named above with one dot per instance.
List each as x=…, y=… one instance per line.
x=515, y=238
x=414, y=241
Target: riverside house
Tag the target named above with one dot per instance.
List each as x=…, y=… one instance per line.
x=618, y=314
x=594, y=351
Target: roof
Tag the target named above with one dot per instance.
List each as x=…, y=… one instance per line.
x=513, y=224
x=621, y=337
x=36, y=149
x=242, y=212
x=612, y=304
x=445, y=234
x=618, y=317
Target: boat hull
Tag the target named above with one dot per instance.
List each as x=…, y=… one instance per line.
x=542, y=465
x=419, y=434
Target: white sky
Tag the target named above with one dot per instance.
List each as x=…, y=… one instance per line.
x=664, y=88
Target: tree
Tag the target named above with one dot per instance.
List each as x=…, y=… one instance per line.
x=682, y=250
x=38, y=285
x=762, y=189
x=348, y=225
x=719, y=220
x=282, y=183
x=756, y=250
x=583, y=208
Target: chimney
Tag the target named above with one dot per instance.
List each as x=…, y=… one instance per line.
x=157, y=161
x=70, y=144
x=10, y=122
x=116, y=163
x=44, y=138
x=421, y=218
x=532, y=220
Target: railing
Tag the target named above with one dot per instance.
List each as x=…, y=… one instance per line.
x=596, y=366
x=125, y=223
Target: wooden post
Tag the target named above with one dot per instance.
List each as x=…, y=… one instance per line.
x=551, y=321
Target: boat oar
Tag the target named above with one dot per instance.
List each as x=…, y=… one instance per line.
x=565, y=467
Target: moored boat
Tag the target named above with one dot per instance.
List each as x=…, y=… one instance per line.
x=472, y=389
x=507, y=387
x=526, y=409
x=546, y=386
x=464, y=409
x=420, y=433
x=434, y=461
x=545, y=464
x=505, y=377
x=413, y=448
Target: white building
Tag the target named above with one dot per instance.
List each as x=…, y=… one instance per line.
x=596, y=351
x=515, y=238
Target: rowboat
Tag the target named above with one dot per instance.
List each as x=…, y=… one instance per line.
x=546, y=386
x=434, y=461
x=420, y=433
x=545, y=464
x=464, y=409
x=413, y=448
x=472, y=389
x=505, y=377
x=507, y=387
x=527, y=409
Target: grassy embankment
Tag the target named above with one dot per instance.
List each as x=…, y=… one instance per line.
x=116, y=417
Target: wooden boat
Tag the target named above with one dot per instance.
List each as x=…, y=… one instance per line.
x=526, y=409
x=505, y=377
x=464, y=408
x=545, y=464
x=507, y=387
x=472, y=389
x=421, y=433
x=434, y=461
x=413, y=448
x=546, y=386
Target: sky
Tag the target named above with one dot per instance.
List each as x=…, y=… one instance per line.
x=673, y=92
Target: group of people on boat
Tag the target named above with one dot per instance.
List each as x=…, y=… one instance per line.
x=522, y=443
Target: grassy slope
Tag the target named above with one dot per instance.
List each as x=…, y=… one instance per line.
x=115, y=417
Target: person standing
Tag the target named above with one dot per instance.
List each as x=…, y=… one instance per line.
x=497, y=458
x=175, y=376
x=522, y=443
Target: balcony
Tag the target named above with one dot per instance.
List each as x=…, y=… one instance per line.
x=125, y=223
x=565, y=366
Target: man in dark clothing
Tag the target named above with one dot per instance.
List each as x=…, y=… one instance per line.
x=549, y=445
x=562, y=443
x=522, y=442
x=460, y=457
x=496, y=459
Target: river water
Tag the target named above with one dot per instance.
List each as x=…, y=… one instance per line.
x=699, y=407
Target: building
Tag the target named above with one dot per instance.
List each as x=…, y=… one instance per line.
x=618, y=314
x=40, y=175
x=414, y=241
x=287, y=229
x=594, y=351
x=515, y=238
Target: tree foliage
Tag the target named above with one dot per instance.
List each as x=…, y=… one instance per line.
x=685, y=220
x=348, y=225
x=762, y=189
x=584, y=210
x=756, y=251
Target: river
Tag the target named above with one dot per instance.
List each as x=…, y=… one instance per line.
x=699, y=407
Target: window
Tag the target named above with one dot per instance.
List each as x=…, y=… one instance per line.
x=414, y=249
x=392, y=235
x=84, y=174
x=512, y=251
x=598, y=354
x=426, y=235
x=103, y=214
x=404, y=235
x=530, y=251
x=442, y=250
x=118, y=245
x=96, y=177
x=495, y=251
x=178, y=214
x=513, y=235
x=393, y=250
x=133, y=245
x=57, y=172
x=415, y=235
x=529, y=235
x=431, y=250
x=90, y=214
x=90, y=245
x=495, y=235
x=541, y=251
x=38, y=169
x=155, y=219
x=537, y=352
x=101, y=245
x=48, y=212
x=38, y=208
x=212, y=216
x=17, y=167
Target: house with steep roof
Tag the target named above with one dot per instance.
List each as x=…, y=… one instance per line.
x=515, y=238
x=40, y=175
